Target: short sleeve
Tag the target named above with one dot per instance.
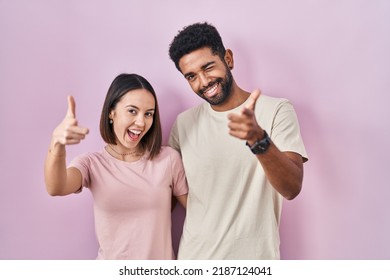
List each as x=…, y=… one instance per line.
x=179, y=180
x=173, y=140
x=285, y=132
x=83, y=164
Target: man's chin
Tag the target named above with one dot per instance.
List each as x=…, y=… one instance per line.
x=214, y=102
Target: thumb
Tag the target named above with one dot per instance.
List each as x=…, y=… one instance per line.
x=71, y=107
x=252, y=99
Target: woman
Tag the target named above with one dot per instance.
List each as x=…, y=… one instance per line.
x=132, y=179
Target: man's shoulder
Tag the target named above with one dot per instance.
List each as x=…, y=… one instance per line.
x=267, y=100
x=191, y=112
x=271, y=105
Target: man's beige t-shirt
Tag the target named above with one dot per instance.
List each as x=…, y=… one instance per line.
x=233, y=212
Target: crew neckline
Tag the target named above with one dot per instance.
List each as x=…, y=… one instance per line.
x=223, y=113
x=140, y=160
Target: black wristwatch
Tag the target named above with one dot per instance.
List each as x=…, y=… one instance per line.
x=260, y=146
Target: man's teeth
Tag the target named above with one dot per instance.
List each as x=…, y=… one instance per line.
x=212, y=89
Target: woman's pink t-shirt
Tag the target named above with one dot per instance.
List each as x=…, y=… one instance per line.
x=132, y=202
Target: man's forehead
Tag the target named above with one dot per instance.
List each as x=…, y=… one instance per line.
x=197, y=60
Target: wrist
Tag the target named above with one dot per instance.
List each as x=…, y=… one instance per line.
x=258, y=136
x=260, y=146
x=57, y=149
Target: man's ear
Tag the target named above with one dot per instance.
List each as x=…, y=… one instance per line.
x=229, y=58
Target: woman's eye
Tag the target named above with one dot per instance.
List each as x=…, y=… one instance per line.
x=149, y=114
x=132, y=111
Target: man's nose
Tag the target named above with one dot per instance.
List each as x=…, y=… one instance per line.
x=204, y=80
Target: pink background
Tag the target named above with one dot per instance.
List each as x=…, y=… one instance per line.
x=330, y=58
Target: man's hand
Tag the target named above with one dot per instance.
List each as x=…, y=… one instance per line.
x=243, y=125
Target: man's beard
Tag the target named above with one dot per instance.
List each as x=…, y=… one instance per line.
x=226, y=86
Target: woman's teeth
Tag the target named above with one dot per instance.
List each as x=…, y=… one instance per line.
x=134, y=134
x=137, y=132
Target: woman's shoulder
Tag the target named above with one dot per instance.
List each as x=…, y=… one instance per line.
x=91, y=156
x=167, y=150
x=170, y=158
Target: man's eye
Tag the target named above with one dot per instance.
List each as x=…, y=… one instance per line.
x=190, y=77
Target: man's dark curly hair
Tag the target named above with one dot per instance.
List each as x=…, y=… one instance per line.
x=193, y=37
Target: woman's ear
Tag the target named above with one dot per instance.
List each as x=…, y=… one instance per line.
x=229, y=59
x=111, y=115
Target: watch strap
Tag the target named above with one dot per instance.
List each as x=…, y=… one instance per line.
x=260, y=146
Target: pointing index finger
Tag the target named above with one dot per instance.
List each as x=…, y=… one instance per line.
x=252, y=99
x=71, y=107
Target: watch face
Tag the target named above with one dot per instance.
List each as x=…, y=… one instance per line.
x=260, y=147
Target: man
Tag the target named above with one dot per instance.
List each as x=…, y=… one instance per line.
x=242, y=153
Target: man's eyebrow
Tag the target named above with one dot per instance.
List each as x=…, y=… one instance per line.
x=203, y=67
x=207, y=64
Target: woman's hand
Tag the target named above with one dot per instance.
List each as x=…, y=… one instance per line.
x=68, y=132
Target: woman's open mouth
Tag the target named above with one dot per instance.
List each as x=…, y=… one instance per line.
x=134, y=134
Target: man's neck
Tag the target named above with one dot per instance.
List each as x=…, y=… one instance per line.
x=235, y=99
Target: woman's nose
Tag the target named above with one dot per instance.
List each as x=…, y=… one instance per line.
x=140, y=121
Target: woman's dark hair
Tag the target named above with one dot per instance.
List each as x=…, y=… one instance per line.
x=194, y=37
x=121, y=85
